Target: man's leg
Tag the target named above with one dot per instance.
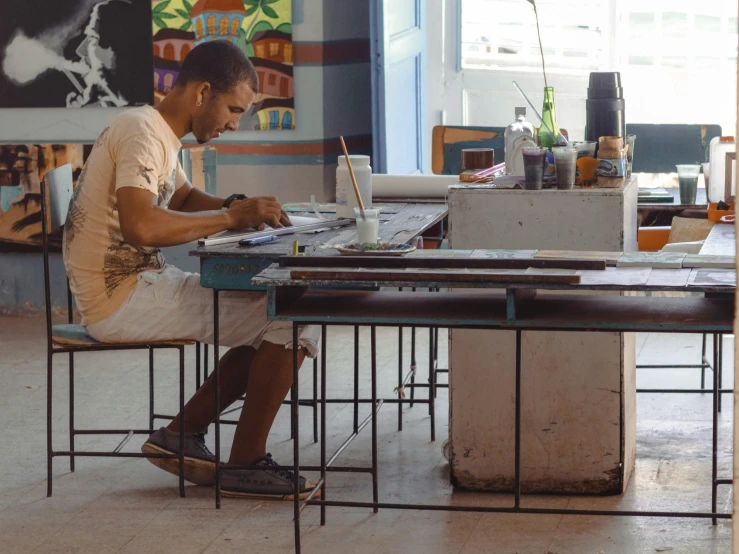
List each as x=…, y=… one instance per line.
x=233, y=372
x=270, y=378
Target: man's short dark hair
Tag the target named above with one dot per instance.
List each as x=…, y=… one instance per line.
x=221, y=63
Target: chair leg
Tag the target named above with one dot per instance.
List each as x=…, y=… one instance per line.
x=315, y=399
x=182, y=420
x=720, y=368
x=151, y=389
x=71, y=410
x=205, y=362
x=49, y=449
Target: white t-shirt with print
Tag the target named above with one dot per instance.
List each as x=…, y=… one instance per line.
x=138, y=149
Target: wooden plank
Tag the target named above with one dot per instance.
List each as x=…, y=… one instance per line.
x=504, y=254
x=407, y=224
x=721, y=241
x=710, y=262
x=432, y=262
x=452, y=277
x=622, y=277
x=713, y=277
x=485, y=309
x=657, y=260
x=668, y=278
x=611, y=258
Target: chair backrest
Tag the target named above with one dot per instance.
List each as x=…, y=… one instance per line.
x=659, y=148
x=447, y=143
x=55, y=198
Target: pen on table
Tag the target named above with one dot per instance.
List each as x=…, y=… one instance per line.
x=258, y=240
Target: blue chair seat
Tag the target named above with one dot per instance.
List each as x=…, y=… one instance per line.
x=77, y=335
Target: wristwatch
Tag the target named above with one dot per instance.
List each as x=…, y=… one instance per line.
x=227, y=201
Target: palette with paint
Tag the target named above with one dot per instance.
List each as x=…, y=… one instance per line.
x=373, y=249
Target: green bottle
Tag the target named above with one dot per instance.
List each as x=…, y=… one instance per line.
x=548, y=137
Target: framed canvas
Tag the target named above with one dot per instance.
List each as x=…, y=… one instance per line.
x=75, y=53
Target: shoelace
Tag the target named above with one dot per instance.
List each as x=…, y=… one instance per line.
x=276, y=468
x=200, y=440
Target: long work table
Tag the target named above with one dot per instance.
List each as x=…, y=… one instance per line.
x=493, y=294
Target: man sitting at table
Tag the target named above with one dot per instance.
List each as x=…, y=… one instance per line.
x=132, y=198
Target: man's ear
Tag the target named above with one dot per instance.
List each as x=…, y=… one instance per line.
x=202, y=92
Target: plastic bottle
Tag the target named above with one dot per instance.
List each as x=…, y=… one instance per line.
x=718, y=149
x=346, y=199
x=518, y=135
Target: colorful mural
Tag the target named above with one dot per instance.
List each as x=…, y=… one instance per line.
x=22, y=167
x=262, y=28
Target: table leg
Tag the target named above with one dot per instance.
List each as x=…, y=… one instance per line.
x=323, y=423
x=217, y=393
x=373, y=346
x=517, y=478
x=432, y=385
x=315, y=395
x=413, y=363
x=356, y=378
x=296, y=441
x=400, y=378
x=720, y=368
x=714, y=443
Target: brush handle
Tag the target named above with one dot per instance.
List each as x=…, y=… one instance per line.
x=351, y=174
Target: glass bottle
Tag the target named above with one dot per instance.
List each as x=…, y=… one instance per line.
x=548, y=137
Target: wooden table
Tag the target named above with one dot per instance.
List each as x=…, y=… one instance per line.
x=721, y=241
x=298, y=300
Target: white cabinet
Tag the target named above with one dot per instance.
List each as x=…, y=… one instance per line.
x=578, y=394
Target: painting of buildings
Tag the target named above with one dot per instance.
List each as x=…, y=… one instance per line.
x=262, y=28
x=22, y=168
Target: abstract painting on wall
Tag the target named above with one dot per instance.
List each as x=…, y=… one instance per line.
x=75, y=53
x=22, y=167
x=262, y=28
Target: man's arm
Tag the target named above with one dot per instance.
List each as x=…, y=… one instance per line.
x=143, y=223
x=190, y=199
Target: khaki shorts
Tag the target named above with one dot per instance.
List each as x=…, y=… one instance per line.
x=171, y=305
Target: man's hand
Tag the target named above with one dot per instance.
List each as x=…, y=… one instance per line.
x=254, y=213
x=284, y=220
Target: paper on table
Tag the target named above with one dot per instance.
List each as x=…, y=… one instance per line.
x=298, y=220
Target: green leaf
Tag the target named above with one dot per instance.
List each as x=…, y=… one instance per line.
x=269, y=1
x=187, y=5
x=186, y=26
x=161, y=6
x=159, y=22
x=183, y=13
x=165, y=15
x=269, y=12
x=285, y=28
x=254, y=3
x=251, y=10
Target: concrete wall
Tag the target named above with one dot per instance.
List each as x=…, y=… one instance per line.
x=333, y=98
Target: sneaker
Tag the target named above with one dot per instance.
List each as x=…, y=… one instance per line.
x=200, y=463
x=270, y=482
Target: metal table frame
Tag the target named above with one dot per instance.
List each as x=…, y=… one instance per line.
x=512, y=321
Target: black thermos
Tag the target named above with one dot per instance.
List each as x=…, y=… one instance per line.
x=605, y=107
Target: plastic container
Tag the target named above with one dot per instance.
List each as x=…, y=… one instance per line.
x=716, y=190
x=605, y=106
x=518, y=135
x=714, y=214
x=368, y=228
x=346, y=200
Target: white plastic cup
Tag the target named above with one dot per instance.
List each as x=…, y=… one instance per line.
x=565, y=160
x=368, y=228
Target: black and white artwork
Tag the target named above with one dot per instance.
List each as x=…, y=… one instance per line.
x=75, y=53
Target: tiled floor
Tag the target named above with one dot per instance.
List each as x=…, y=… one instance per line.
x=130, y=506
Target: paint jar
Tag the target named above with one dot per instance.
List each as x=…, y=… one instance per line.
x=534, y=159
x=346, y=199
x=565, y=164
x=368, y=229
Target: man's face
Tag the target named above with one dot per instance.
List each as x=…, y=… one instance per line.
x=220, y=112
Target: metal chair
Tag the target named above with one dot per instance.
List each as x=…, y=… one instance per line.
x=69, y=338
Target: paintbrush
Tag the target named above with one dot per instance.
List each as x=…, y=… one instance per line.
x=354, y=179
